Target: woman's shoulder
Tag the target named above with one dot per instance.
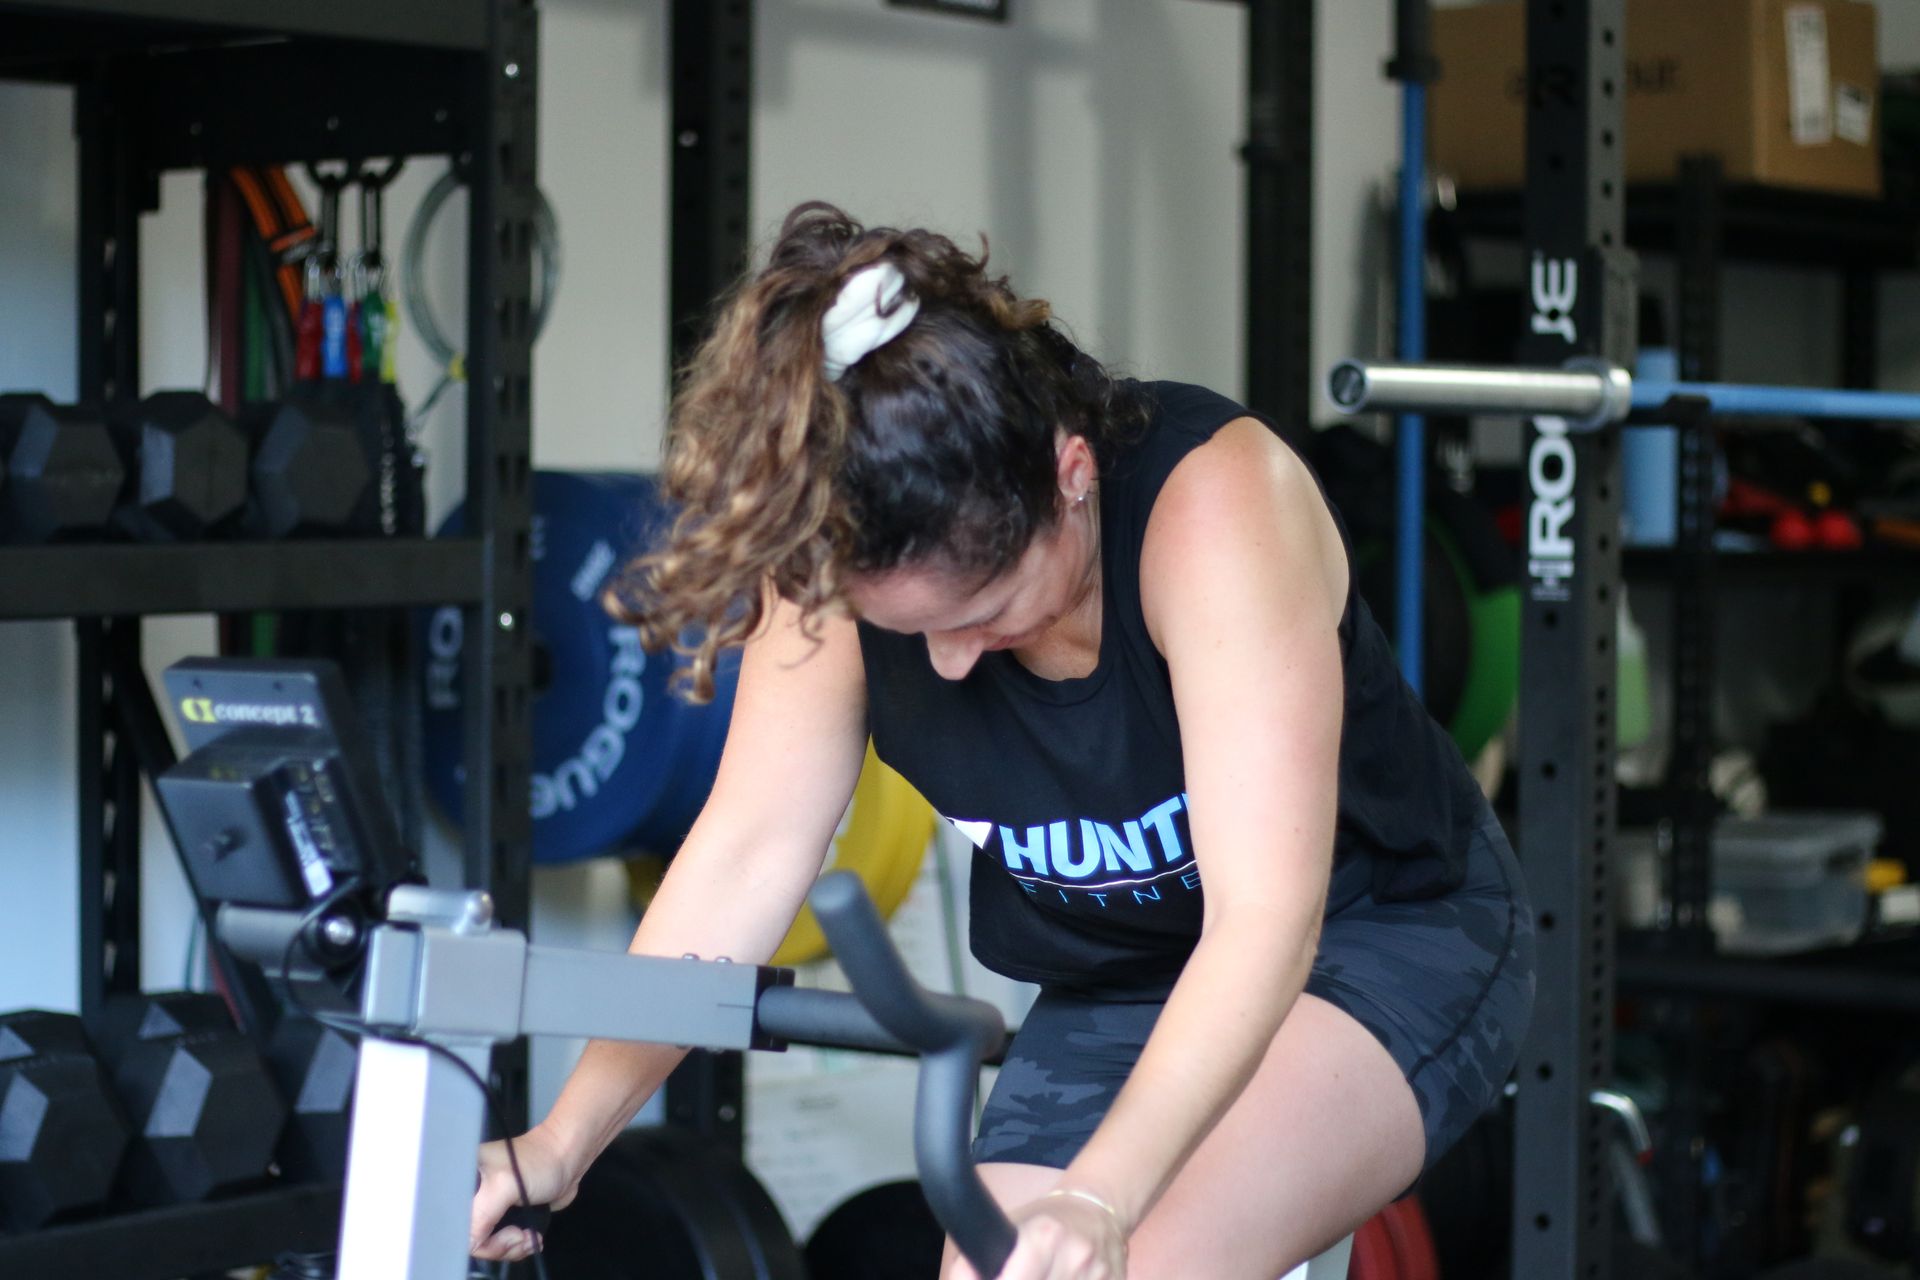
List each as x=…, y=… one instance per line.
x=1177, y=418
x=1241, y=462
x=1194, y=430
x=1189, y=409
x=1246, y=488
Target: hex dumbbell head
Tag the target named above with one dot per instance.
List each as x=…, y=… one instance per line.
x=62, y=1135
x=205, y=1112
x=192, y=461
x=64, y=475
x=155, y=1015
x=314, y=1067
x=310, y=471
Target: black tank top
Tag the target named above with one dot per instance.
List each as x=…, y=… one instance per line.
x=1073, y=792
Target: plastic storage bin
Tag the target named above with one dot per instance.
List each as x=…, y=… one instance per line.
x=1791, y=881
x=1639, y=863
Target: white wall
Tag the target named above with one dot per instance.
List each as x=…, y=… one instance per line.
x=1357, y=148
x=38, y=902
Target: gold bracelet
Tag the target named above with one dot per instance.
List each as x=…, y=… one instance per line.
x=1092, y=1199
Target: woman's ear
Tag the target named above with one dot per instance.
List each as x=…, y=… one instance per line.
x=1076, y=467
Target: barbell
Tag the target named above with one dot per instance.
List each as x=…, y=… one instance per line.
x=1589, y=394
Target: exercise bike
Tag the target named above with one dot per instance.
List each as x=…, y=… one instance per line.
x=278, y=812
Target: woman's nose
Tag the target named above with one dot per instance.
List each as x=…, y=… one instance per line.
x=954, y=654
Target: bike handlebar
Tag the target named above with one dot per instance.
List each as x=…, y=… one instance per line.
x=951, y=1034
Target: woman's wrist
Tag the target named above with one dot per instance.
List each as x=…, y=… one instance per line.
x=1097, y=1200
x=574, y=1149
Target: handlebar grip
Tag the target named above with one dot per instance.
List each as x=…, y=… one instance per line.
x=531, y=1217
x=878, y=975
x=923, y=1019
x=808, y=1015
x=952, y=1035
x=528, y=1217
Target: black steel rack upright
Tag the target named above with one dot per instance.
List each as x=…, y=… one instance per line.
x=1579, y=302
x=193, y=84
x=1278, y=154
x=711, y=136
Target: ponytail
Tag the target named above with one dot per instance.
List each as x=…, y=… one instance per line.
x=938, y=443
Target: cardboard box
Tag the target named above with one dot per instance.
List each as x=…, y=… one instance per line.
x=1785, y=92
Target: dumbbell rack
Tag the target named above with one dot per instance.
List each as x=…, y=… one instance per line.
x=196, y=84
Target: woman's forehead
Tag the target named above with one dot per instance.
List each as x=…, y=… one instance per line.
x=924, y=597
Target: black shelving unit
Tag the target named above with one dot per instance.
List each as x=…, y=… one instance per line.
x=112, y=580
x=201, y=84
x=196, y=1239
x=1863, y=979
x=1705, y=223
x=1759, y=224
x=1708, y=223
x=1655, y=565
x=1712, y=225
x=79, y=30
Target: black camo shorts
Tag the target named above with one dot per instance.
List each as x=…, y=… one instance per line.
x=1445, y=984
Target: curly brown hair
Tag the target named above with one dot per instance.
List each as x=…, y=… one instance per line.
x=937, y=448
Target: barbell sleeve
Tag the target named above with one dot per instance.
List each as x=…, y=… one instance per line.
x=1582, y=396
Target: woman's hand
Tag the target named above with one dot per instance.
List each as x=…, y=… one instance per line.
x=1063, y=1236
x=549, y=1179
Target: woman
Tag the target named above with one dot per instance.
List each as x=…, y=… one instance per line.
x=1109, y=630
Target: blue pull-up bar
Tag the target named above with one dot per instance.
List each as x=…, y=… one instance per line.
x=1732, y=400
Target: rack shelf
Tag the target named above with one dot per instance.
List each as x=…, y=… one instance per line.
x=1873, y=564
x=187, y=1239
x=1758, y=224
x=1868, y=977
x=92, y=581
x=49, y=37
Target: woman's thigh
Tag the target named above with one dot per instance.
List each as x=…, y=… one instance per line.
x=1326, y=1132
x=1445, y=984
x=1410, y=1023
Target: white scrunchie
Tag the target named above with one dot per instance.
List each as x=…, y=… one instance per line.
x=872, y=309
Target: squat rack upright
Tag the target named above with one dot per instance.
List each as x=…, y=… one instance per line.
x=1581, y=295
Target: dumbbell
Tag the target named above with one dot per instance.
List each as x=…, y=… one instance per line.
x=61, y=1132
x=63, y=473
x=189, y=462
x=312, y=472
x=205, y=1112
x=314, y=1067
